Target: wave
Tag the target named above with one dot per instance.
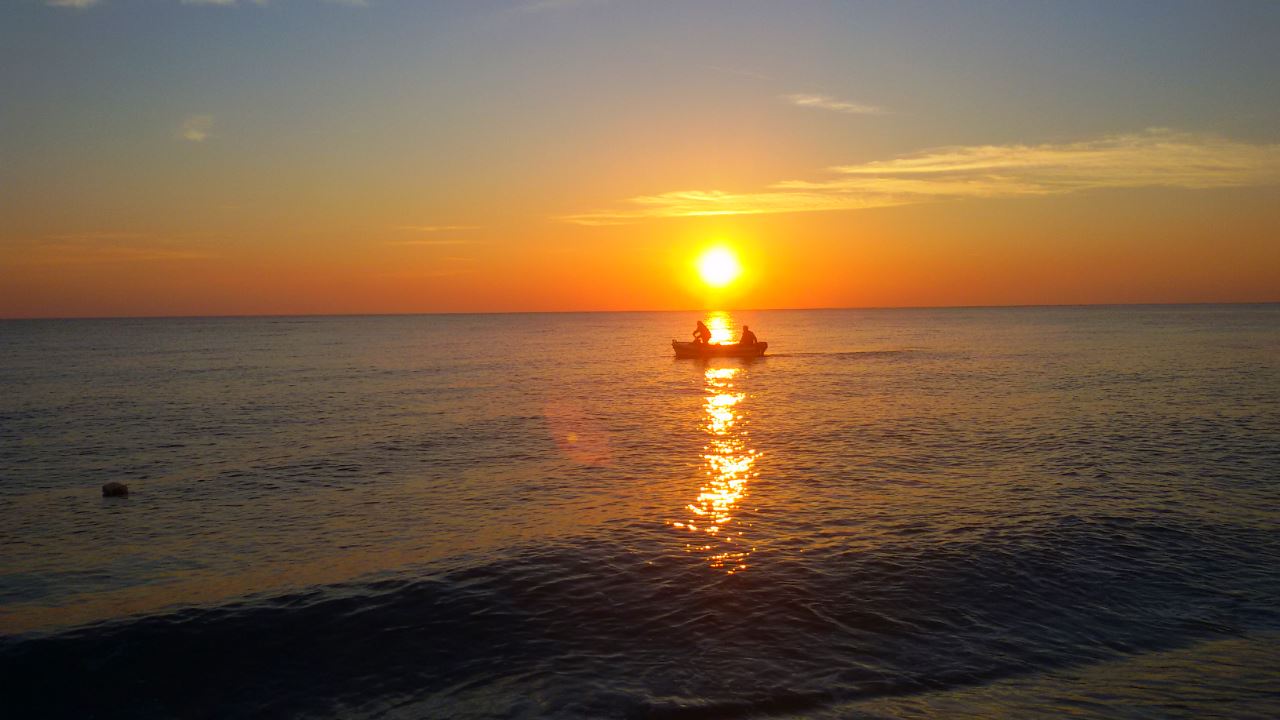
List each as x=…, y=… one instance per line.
x=599, y=627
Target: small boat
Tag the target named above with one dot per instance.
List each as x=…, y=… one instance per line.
x=697, y=350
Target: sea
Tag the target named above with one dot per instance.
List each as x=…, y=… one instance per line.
x=902, y=513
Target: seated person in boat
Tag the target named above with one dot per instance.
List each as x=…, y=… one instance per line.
x=701, y=334
x=748, y=337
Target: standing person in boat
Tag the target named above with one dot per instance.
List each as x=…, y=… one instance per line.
x=701, y=334
x=748, y=337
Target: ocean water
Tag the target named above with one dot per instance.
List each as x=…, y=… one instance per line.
x=1026, y=512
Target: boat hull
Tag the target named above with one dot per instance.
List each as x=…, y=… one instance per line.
x=696, y=350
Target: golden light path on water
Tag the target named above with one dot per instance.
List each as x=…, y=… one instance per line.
x=730, y=466
x=721, y=325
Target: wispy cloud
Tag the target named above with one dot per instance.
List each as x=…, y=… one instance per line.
x=436, y=241
x=109, y=246
x=233, y=3
x=705, y=203
x=1156, y=157
x=738, y=72
x=436, y=228
x=96, y=235
x=214, y=3
x=73, y=255
x=224, y=3
x=826, y=102
x=196, y=128
x=538, y=6
x=427, y=274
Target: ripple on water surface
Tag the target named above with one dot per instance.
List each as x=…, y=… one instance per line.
x=905, y=513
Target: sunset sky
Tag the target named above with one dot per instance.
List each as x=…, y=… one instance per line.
x=215, y=157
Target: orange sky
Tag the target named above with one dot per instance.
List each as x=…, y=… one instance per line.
x=1107, y=247
x=399, y=158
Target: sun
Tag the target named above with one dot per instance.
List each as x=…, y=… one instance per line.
x=719, y=267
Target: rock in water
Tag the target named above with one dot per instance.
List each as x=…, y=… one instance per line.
x=115, y=489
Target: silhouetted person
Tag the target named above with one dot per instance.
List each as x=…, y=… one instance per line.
x=748, y=337
x=701, y=334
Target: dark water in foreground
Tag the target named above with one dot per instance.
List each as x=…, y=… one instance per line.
x=951, y=513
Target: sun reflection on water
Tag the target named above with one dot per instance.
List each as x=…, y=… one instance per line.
x=720, y=323
x=729, y=464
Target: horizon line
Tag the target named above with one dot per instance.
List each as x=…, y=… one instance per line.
x=1012, y=306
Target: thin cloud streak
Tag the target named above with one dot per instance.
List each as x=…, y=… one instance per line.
x=428, y=274
x=431, y=229
x=436, y=228
x=705, y=203
x=541, y=6
x=98, y=247
x=433, y=242
x=81, y=4
x=739, y=73
x=1156, y=157
x=196, y=128
x=826, y=102
x=76, y=255
x=261, y=3
x=107, y=235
